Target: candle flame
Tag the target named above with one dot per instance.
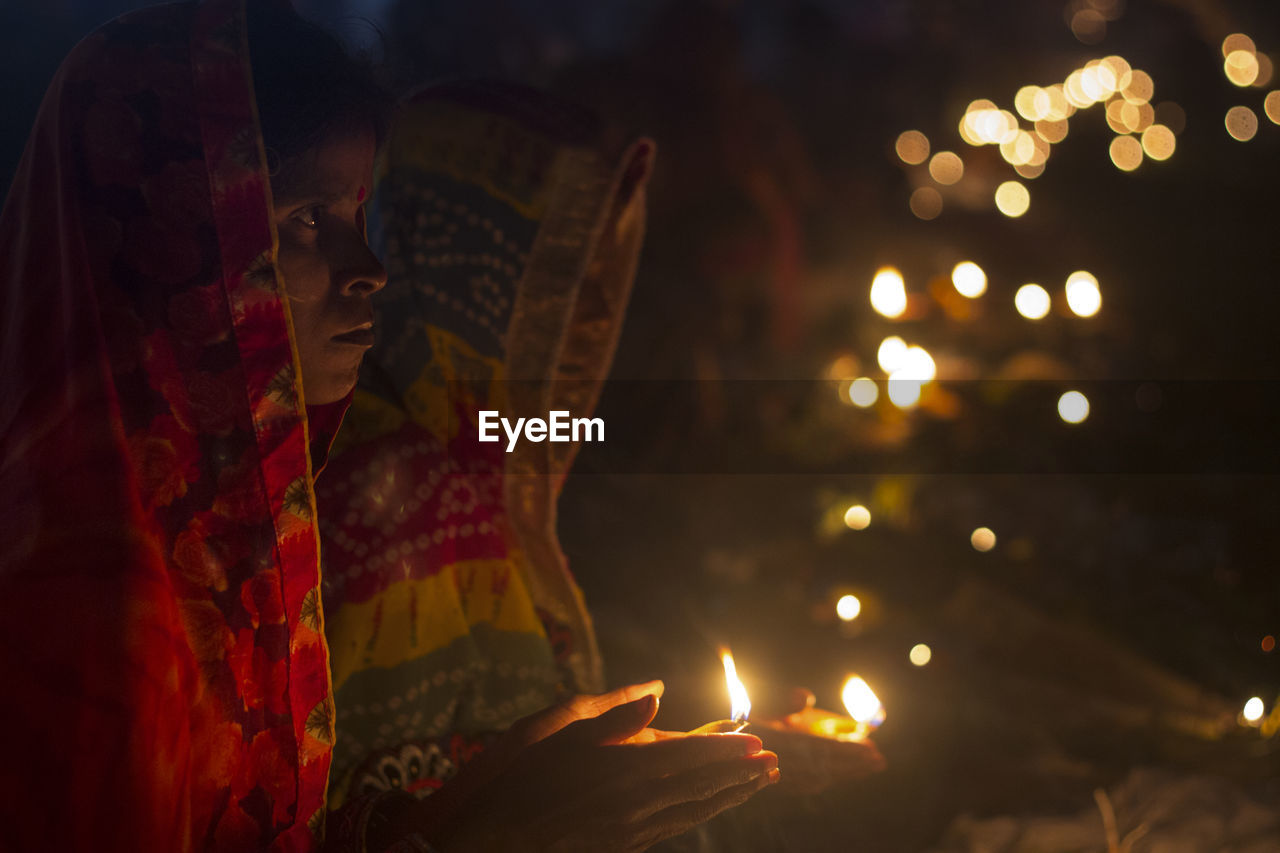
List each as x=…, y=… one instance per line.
x=739, y=704
x=861, y=702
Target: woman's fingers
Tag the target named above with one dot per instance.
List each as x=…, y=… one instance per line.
x=704, y=783
x=614, y=725
x=678, y=754
x=545, y=723
x=680, y=818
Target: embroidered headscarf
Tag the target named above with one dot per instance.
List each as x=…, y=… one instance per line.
x=161, y=641
x=510, y=229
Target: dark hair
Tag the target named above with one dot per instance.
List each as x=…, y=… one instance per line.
x=307, y=85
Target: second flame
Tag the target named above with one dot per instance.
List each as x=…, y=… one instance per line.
x=739, y=704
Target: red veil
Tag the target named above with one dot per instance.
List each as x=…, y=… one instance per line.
x=162, y=652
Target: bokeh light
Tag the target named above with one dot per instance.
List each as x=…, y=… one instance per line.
x=1032, y=301
x=1073, y=407
x=982, y=539
x=1242, y=123
x=969, y=279
x=891, y=354
x=912, y=147
x=1266, y=70
x=1159, y=142
x=1253, y=709
x=918, y=364
x=946, y=167
x=1052, y=131
x=1126, y=153
x=1237, y=41
x=1084, y=298
x=863, y=392
x=1268, y=643
x=1272, y=106
x=920, y=654
x=888, y=292
x=1088, y=26
x=1140, y=88
x=848, y=607
x=1241, y=67
x=904, y=391
x=926, y=203
x=1012, y=199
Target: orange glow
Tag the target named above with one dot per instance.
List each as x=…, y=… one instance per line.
x=739, y=703
x=1268, y=643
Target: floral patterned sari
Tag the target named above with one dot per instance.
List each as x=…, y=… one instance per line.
x=162, y=651
x=510, y=231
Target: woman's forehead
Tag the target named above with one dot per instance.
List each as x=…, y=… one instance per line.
x=338, y=168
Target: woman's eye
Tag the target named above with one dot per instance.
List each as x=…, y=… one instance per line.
x=309, y=216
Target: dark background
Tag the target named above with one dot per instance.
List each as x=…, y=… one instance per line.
x=1119, y=621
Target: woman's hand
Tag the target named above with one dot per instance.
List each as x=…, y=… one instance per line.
x=786, y=720
x=594, y=780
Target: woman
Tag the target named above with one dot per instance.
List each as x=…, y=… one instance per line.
x=165, y=409
x=511, y=229
x=161, y=633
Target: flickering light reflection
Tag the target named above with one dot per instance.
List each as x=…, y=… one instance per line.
x=1032, y=301
x=920, y=654
x=888, y=292
x=848, y=608
x=1012, y=199
x=983, y=539
x=1126, y=153
x=912, y=147
x=1253, y=709
x=1073, y=407
x=946, y=167
x=1083, y=295
x=863, y=392
x=891, y=354
x=969, y=279
x=1242, y=123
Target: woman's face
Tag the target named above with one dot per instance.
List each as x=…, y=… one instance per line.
x=329, y=273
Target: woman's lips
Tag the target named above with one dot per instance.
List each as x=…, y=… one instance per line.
x=356, y=337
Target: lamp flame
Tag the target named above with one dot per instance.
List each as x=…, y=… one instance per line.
x=739, y=704
x=861, y=702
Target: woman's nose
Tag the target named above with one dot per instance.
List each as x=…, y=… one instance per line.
x=362, y=272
